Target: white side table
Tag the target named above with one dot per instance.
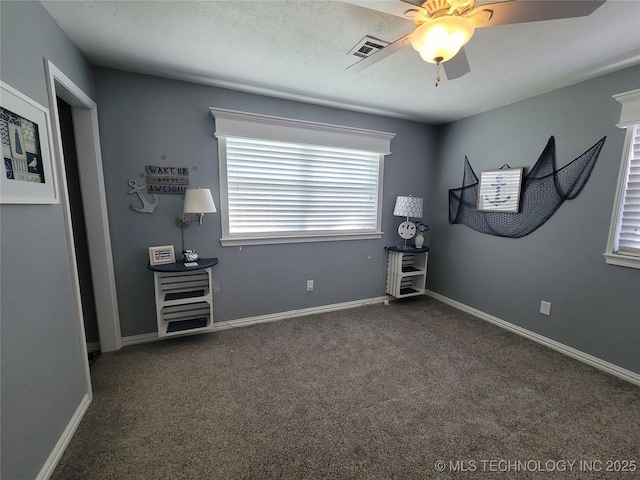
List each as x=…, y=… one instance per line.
x=406, y=271
x=184, y=299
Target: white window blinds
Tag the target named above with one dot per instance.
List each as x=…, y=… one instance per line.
x=623, y=245
x=629, y=233
x=284, y=180
x=280, y=187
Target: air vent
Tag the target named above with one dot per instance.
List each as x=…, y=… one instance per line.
x=367, y=47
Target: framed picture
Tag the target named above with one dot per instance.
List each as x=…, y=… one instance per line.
x=499, y=190
x=28, y=175
x=162, y=254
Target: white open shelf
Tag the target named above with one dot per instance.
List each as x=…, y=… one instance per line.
x=184, y=303
x=406, y=273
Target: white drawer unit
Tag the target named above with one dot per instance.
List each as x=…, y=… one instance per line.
x=184, y=299
x=406, y=271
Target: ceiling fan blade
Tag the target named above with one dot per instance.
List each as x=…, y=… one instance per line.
x=522, y=11
x=399, y=8
x=380, y=54
x=457, y=66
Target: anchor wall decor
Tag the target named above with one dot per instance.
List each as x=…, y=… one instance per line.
x=499, y=190
x=147, y=205
x=544, y=189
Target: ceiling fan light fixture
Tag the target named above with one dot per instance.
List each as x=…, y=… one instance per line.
x=440, y=39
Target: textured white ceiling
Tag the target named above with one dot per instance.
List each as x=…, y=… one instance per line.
x=298, y=50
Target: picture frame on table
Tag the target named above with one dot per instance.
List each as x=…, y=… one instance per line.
x=28, y=175
x=499, y=190
x=162, y=254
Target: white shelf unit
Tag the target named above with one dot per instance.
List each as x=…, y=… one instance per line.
x=184, y=301
x=406, y=272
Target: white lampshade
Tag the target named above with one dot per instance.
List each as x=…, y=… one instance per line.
x=408, y=207
x=198, y=200
x=440, y=39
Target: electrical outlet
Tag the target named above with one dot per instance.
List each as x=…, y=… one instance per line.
x=545, y=308
x=309, y=285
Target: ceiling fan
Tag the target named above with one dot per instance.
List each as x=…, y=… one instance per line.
x=445, y=26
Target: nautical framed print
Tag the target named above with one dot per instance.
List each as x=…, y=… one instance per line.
x=162, y=254
x=28, y=175
x=499, y=190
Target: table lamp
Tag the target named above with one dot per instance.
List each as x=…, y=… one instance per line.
x=407, y=207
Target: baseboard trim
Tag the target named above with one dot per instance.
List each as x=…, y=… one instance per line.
x=272, y=317
x=596, y=362
x=93, y=347
x=65, y=438
x=143, y=338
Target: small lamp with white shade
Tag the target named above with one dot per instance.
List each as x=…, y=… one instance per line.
x=199, y=201
x=196, y=201
x=409, y=207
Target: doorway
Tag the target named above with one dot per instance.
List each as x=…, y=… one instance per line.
x=81, y=244
x=88, y=159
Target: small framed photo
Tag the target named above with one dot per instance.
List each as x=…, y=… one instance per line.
x=499, y=190
x=28, y=174
x=162, y=254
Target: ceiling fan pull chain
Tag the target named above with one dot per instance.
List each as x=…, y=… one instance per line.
x=437, y=73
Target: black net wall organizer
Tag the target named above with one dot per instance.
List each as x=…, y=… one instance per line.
x=543, y=190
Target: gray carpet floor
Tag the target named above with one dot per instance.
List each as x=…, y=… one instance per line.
x=412, y=390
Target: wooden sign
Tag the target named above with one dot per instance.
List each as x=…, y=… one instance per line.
x=172, y=180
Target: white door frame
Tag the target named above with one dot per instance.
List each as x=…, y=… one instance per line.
x=85, y=121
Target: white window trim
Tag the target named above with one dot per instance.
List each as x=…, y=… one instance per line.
x=629, y=116
x=266, y=127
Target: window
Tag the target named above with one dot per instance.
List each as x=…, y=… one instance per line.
x=623, y=246
x=285, y=180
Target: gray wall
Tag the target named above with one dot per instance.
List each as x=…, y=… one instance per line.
x=42, y=377
x=144, y=118
x=594, y=305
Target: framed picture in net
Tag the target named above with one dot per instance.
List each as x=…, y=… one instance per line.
x=499, y=190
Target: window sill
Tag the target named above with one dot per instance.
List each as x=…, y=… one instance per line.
x=235, y=242
x=622, y=260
